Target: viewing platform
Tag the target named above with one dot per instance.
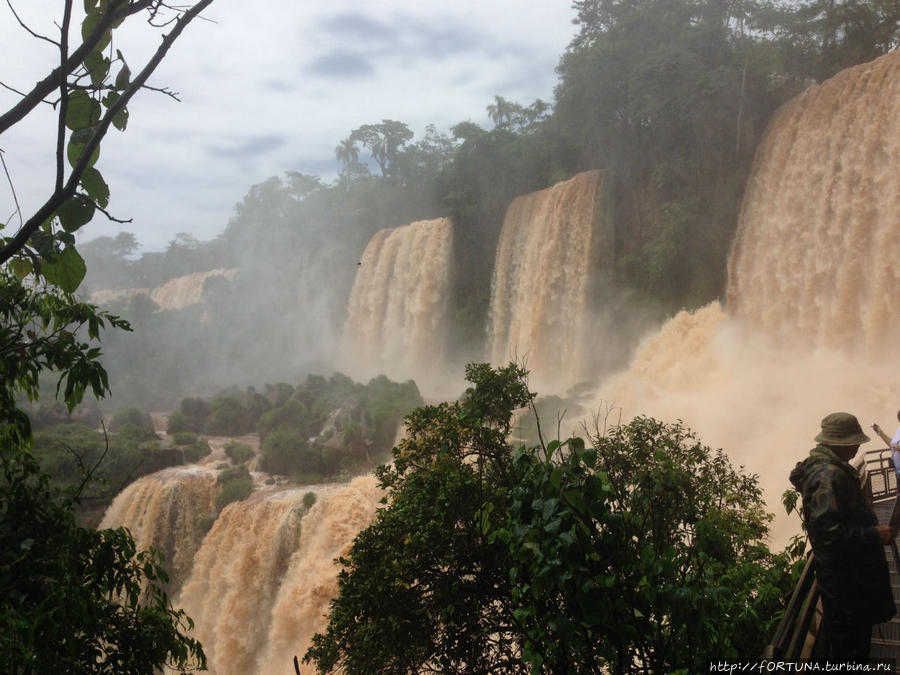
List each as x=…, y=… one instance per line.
x=798, y=635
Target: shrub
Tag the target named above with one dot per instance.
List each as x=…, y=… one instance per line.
x=294, y=414
x=134, y=418
x=309, y=499
x=177, y=422
x=190, y=416
x=237, y=484
x=239, y=452
x=225, y=417
x=184, y=438
x=197, y=450
x=286, y=451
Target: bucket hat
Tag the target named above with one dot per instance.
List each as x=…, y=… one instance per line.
x=841, y=428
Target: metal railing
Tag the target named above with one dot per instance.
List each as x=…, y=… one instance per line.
x=797, y=635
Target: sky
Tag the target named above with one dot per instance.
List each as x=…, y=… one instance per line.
x=273, y=89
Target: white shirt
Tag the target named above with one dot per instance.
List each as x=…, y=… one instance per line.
x=895, y=450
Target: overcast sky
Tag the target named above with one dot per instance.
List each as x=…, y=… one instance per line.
x=271, y=86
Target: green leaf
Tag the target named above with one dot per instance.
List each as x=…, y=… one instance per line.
x=65, y=270
x=90, y=22
x=75, y=213
x=124, y=76
x=21, y=267
x=77, y=143
x=98, y=66
x=120, y=121
x=83, y=111
x=95, y=186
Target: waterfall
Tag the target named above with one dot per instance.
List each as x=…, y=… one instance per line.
x=176, y=293
x=263, y=578
x=397, y=313
x=811, y=291
x=815, y=256
x=162, y=511
x=551, y=243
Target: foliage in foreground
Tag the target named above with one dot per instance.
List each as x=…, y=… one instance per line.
x=642, y=553
x=74, y=599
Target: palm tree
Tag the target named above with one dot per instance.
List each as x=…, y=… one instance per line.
x=346, y=151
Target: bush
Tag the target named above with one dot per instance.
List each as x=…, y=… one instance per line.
x=309, y=499
x=177, y=422
x=226, y=417
x=237, y=484
x=184, y=438
x=239, y=452
x=190, y=416
x=286, y=451
x=294, y=414
x=197, y=450
x=134, y=418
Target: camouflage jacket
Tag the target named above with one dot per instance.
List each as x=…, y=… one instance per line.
x=851, y=569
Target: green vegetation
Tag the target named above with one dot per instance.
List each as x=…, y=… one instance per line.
x=236, y=485
x=184, y=438
x=643, y=552
x=671, y=97
x=73, y=599
x=132, y=417
x=239, y=453
x=197, y=450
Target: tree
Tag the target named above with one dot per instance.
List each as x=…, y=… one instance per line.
x=71, y=599
x=644, y=553
x=502, y=111
x=383, y=140
x=89, y=100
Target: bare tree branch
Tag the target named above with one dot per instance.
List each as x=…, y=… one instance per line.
x=12, y=89
x=111, y=217
x=63, y=97
x=116, y=11
x=59, y=196
x=11, y=188
x=31, y=32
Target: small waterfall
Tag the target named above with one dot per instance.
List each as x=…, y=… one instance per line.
x=551, y=244
x=176, y=293
x=264, y=576
x=162, y=511
x=398, y=306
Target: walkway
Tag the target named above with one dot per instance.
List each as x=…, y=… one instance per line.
x=886, y=636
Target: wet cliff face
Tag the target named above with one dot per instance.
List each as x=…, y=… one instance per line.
x=397, y=312
x=551, y=244
x=815, y=256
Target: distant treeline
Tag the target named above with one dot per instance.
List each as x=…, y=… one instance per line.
x=671, y=96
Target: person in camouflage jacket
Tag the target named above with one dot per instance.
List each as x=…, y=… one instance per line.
x=847, y=542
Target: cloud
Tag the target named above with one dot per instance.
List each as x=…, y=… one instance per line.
x=342, y=65
x=350, y=27
x=252, y=146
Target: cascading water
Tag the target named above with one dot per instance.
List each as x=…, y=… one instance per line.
x=162, y=511
x=176, y=293
x=810, y=296
x=264, y=576
x=551, y=243
x=806, y=332
x=816, y=251
x=398, y=306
